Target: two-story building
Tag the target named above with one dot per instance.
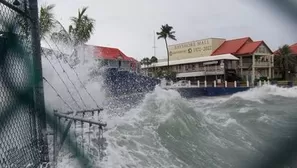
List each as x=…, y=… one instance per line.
x=241, y=57
x=255, y=57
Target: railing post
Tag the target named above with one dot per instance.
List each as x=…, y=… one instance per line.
x=260, y=83
x=268, y=82
x=189, y=83
x=247, y=84
x=55, y=140
x=214, y=83
x=198, y=83
x=226, y=84
x=205, y=83
x=235, y=84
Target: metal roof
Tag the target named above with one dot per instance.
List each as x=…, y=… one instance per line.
x=193, y=60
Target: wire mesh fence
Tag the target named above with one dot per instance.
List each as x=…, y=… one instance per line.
x=21, y=129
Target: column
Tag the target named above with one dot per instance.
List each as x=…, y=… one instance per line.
x=269, y=70
x=253, y=69
x=241, y=71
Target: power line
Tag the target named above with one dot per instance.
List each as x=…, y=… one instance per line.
x=78, y=78
x=57, y=93
x=67, y=75
x=61, y=79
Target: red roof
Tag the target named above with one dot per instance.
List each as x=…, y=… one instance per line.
x=293, y=48
x=231, y=46
x=249, y=48
x=110, y=53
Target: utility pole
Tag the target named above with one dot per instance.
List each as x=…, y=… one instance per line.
x=154, y=46
x=39, y=106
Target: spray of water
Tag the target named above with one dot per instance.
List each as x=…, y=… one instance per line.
x=166, y=130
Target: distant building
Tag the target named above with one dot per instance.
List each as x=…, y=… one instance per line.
x=115, y=58
x=254, y=59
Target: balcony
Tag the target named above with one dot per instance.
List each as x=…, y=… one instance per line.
x=201, y=69
x=257, y=65
x=246, y=65
x=262, y=64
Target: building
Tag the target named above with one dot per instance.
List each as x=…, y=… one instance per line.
x=207, y=68
x=254, y=58
x=115, y=58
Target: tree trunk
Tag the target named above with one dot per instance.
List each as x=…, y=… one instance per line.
x=286, y=68
x=167, y=55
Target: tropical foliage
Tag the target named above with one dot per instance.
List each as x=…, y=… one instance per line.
x=166, y=33
x=82, y=27
x=79, y=32
x=154, y=59
x=46, y=19
x=148, y=61
x=145, y=61
x=285, y=61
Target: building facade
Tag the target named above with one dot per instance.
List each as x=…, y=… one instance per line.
x=208, y=68
x=255, y=59
x=115, y=58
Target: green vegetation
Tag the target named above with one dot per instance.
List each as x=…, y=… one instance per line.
x=79, y=32
x=166, y=32
x=82, y=27
x=46, y=20
x=285, y=62
x=149, y=61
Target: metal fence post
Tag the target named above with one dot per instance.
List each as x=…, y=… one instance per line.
x=38, y=82
x=55, y=130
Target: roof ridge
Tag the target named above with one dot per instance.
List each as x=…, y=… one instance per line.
x=232, y=40
x=246, y=41
x=240, y=38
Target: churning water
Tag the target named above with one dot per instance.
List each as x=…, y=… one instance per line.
x=164, y=130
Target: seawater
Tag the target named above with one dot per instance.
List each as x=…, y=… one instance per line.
x=163, y=130
x=166, y=130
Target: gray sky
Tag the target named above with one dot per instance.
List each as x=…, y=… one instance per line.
x=129, y=25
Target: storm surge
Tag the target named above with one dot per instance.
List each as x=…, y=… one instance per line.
x=162, y=129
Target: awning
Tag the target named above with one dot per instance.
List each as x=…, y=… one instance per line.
x=193, y=74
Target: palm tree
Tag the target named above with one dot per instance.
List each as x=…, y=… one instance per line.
x=82, y=27
x=154, y=59
x=285, y=61
x=46, y=19
x=146, y=61
x=166, y=32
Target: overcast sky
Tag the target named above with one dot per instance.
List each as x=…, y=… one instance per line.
x=129, y=25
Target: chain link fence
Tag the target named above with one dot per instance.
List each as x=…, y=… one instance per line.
x=21, y=137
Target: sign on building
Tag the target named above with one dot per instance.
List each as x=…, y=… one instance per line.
x=194, y=49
